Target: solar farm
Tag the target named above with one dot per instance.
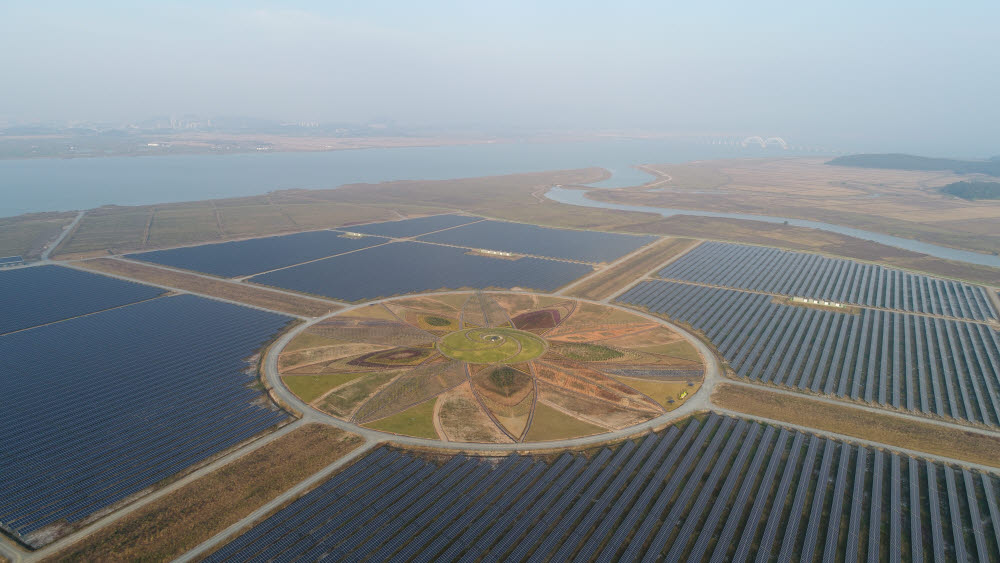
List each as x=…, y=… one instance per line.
x=492, y=411
x=719, y=489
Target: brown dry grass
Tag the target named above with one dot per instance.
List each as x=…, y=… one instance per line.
x=887, y=429
x=608, y=282
x=898, y=202
x=179, y=521
x=242, y=293
x=26, y=235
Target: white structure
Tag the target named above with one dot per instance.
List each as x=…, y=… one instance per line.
x=765, y=142
x=495, y=252
x=809, y=301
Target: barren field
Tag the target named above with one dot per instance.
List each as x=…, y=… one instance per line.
x=26, y=235
x=217, y=288
x=897, y=202
x=176, y=523
x=884, y=428
x=608, y=282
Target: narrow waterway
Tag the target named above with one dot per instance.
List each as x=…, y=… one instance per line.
x=578, y=197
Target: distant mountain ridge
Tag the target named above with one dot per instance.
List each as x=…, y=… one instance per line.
x=912, y=162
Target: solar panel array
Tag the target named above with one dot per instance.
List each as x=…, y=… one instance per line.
x=717, y=490
x=100, y=407
x=45, y=294
x=923, y=364
x=413, y=227
x=245, y=257
x=408, y=267
x=10, y=261
x=832, y=279
x=584, y=246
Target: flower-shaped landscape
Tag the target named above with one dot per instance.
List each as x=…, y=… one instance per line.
x=491, y=367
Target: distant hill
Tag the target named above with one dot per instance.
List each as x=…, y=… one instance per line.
x=973, y=190
x=911, y=162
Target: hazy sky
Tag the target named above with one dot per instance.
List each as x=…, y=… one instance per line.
x=883, y=71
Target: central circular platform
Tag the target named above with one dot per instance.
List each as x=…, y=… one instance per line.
x=491, y=345
x=491, y=367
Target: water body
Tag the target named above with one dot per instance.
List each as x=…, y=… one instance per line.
x=84, y=183
x=577, y=197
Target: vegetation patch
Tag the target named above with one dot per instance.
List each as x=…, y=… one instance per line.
x=973, y=190
x=311, y=387
x=491, y=345
x=584, y=352
x=415, y=421
x=437, y=321
x=169, y=526
x=550, y=424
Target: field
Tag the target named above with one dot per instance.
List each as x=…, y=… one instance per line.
x=725, y=488
x=520, y=238
x=923, y=364
x=26, y=235
x=241, y=293
x=828, y=279
x=971, y=446
x=245, y=257
x=132, y=396
x=411, y=267
x=476, y=373
x=608, y=282
x=45, y=294
x=180, y=520
x=896, y=202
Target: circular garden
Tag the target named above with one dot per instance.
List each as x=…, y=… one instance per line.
x=491, y=367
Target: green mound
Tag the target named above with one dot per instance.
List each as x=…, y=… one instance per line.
x=491, y=345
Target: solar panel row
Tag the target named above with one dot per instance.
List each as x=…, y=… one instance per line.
x=520, y=238
x=923, y=364
x=408, y=267
x=252, y=256
x=832, y=279
x=643, y=500
x=100, y=407
x=45, y=294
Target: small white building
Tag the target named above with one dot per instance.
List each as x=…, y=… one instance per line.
x=821, y=302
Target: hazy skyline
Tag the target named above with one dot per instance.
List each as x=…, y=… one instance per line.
x=896, y=74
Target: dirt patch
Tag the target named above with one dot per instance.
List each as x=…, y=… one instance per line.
x=232, y=291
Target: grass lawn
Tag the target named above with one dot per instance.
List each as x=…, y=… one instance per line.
x=551, y=424
x=310, y=387
x=415, y=421
x=477, y=347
